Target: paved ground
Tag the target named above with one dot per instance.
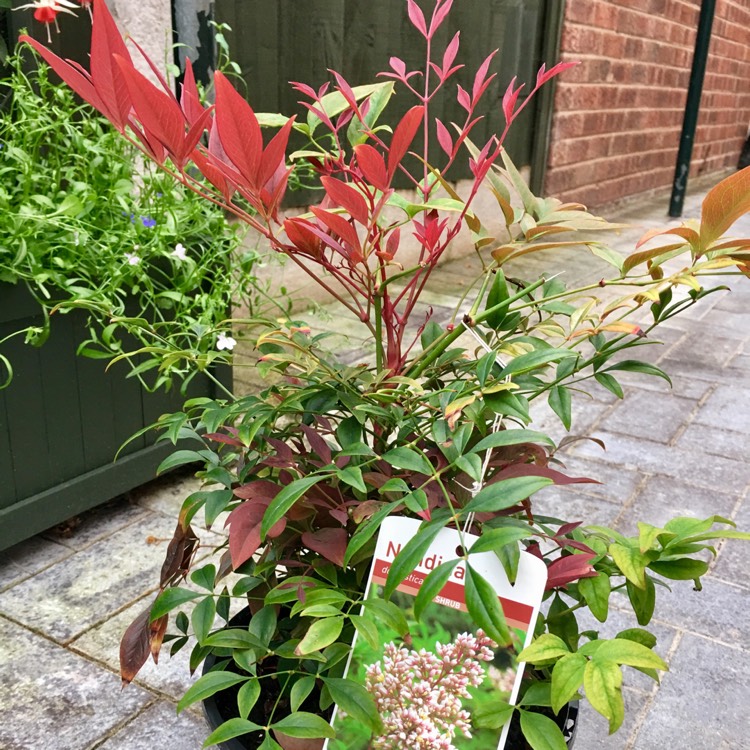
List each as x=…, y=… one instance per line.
x=66, y=597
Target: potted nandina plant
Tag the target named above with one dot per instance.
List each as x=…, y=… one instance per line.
x=437, y=429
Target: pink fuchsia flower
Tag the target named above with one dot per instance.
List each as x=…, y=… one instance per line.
x=419, y=694
x=225, y=343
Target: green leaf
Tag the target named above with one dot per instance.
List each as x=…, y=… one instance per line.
x=493, y=539
x=610, y=383
x=354, y=699
x=505, y=493
x=567, y=678
x=230, y=729
x=413, y=551
x=631, y=561
x=508, y=404
x=633, y=365
x=406, y=458
x=171, y=598
x=300, y=690
x=647, y=535
x=367, y=630
x=560, y=402
x=285, y=500
x=680, y=570
x=639, y=636
x=180, y=458
x=389, y=614
x=498, y=294
x=625, y=651
x=537, y=694
x=561, y=621
x=541, y=732
x=502, y=438
x=545, y=648
x=304, y=725
x=484, y=606
x=263, y=624
x=320, y=634
x=596, y=592
x=203, y=617
x=247, y=697
x=234, y=638
x=208, y=685
x=602, y=681
x=492, y=715
x=534, y=360
x=352, y=475
x=366, y=530
x=433, y=585
x=642, y=600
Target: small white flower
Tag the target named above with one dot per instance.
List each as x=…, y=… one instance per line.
x=179, y=252
x=132, y=259
x=225, y=342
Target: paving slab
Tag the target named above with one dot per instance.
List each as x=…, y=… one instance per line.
x=59, y=700
x=94, y=584
x=593, y=729
x=159, y=726
x=641, y=454
x=703, y=701
x=724, y=410
x=714, y=441
x=732, y=562
x=663, y=498
x=28, y=558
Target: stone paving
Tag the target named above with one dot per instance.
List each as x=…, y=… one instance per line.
x=66, y=596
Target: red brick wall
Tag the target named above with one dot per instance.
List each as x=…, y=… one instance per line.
x=618, y=115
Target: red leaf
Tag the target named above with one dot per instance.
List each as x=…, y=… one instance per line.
x=135, y=647
x=319, y=446
x=177, y=557
x=347, y=197
x=331, y=543
x=159, y=115
x=398, y=65
x=402, y=138
x=534, y=470
x=340, y=226
x=393, y=242
x=157, y=631
x=106, y=42
x=214, y=175
x=220, y=437
x=509, y=100
x=79, y=81
x=190, y=100
x=299, y=234
x=417, y=17
x=238, y=130
x=372, y=165
x=463, y=98
x=275, y=153
x=544, y=75
x=438, y=16
x=481, y=81
x=450, y=53
x=444, y=138
x=568, y=569
x=261, y=489
x=244, y=531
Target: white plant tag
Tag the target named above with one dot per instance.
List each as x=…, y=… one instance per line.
x=417, y=691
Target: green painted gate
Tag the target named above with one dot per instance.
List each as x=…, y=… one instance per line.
x=276, y=41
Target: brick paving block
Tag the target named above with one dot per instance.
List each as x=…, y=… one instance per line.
x=702, y=702
x=725, y=409
x=719, y=611
x=655, y=458
x=733, y=561
x=593, y=729
x=664, y=498
x=160, y=727
x=568, y=504
x=651, y=414
x=27, y=558
x=71, y=596
x=59, y=700
x=713, y=441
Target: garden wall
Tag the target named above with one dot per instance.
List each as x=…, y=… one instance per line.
x=617, y=117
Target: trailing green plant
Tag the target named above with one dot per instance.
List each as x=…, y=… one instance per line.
x=87, y=223
x=439, y=427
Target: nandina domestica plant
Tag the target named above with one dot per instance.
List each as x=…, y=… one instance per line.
x=437, y=428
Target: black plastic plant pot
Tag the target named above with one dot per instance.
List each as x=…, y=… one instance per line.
x=222, y=706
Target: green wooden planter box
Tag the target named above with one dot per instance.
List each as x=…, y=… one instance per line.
x=63, y=419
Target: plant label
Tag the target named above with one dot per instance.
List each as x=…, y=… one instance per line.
x=431, y=672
